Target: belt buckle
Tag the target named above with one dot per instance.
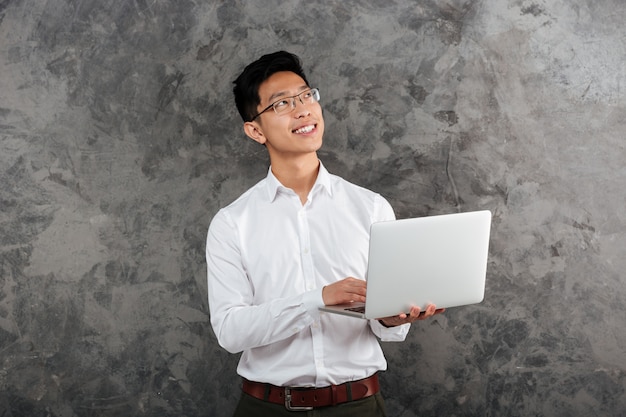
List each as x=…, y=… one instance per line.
x=290, y=407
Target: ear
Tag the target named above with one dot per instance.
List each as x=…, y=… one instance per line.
x=253, y=131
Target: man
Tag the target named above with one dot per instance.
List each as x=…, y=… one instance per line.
x=294, y=242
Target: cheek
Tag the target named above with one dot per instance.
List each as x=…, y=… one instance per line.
x=320, y=124
x=319, y=115
x=276, y=125
x=320, y=127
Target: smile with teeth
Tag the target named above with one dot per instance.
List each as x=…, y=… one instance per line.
x=304, y=129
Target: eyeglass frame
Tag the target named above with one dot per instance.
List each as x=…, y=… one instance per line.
x=314, y=90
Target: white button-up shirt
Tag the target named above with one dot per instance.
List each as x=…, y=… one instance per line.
x=268, y=258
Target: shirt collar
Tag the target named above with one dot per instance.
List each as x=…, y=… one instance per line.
x=322, y=181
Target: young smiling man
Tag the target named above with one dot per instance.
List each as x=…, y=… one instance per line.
x=292, y=243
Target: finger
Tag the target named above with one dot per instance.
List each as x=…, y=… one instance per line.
x=359, y=286
x=359, y=291
x=354, y=285
x=415, y=312
x=429, y=312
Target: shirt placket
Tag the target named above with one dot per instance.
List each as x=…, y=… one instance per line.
x=308, y=271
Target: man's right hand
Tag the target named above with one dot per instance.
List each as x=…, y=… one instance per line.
x=345, y=291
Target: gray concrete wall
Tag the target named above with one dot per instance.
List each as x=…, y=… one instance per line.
x=119, y=141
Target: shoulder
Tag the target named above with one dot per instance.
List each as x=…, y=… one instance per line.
x=370, y=200
x=344, y=186
x=251, y=198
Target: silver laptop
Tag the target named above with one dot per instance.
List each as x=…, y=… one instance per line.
x=414, y=262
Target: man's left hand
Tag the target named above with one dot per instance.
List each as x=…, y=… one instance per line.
x=414, y=315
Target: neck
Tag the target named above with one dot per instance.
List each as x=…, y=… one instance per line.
x=299, y=175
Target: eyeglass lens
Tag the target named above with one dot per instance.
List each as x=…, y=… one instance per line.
x=288, y=104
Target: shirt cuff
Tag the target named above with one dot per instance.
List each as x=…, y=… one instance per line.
x=390, y=334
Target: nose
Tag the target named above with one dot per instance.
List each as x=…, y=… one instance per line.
x=299, y=108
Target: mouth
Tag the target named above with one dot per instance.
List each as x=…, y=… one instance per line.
x=304, y=129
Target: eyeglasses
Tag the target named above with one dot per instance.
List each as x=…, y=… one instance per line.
x=287, y=104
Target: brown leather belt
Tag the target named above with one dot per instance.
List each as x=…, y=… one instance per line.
x=301, y=399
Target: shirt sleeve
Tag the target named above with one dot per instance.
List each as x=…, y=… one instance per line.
x=238, y=323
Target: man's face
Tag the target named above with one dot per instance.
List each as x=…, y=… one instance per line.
x=294, y=133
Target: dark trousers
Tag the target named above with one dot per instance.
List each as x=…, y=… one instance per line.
x=373, y=406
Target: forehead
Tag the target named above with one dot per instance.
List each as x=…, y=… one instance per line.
x=281, y=84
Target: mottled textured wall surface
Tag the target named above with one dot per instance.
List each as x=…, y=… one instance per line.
x=119, y=141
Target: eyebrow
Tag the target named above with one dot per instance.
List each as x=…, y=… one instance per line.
x=284, y=93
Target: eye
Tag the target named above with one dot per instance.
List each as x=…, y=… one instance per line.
x=307, y=94
x=280, y=104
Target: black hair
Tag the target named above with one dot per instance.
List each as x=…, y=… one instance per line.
x=247, y=85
